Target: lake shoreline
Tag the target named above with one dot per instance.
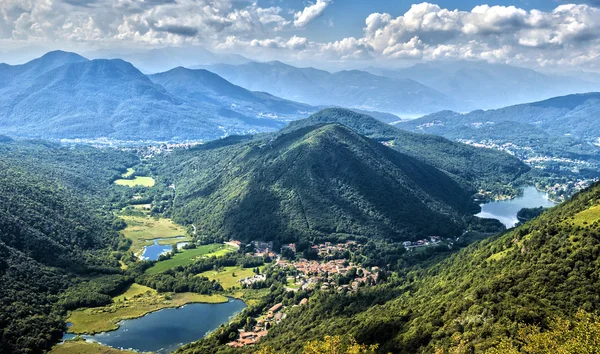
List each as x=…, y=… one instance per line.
x=101, y=324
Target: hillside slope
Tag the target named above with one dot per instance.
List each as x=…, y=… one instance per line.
x=204, y=86
x=353, y=89
x=479, y=169
x=317, y=181
x=475, y=298
x=573, y=115
x=51, y=234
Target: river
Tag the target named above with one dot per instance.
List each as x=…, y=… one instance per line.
x=165, y=330
x=506, y=210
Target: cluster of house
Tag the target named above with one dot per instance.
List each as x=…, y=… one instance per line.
x=251, y=280
x=431, y=241
x=273, y=316
x=262, y=249
x=328, y=248
x=312, y=273
x=153, y=150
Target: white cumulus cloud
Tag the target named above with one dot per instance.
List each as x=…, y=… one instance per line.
x=311, y=12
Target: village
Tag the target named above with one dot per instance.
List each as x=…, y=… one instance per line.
x=330, y=273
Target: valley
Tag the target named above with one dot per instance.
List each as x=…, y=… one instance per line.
x=412, y=187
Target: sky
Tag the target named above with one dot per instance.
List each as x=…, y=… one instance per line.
x=543, y=34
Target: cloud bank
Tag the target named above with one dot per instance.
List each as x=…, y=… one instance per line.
x=569, y=35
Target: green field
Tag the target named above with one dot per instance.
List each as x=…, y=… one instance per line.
x=135, y=302
x=226, y=277
x=142, y=230
x=588, y=217
x=187, y=257
x=136, y=181
x=83, y=347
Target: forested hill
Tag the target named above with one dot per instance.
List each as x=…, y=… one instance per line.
x=472, y=300
x=475, y=168
x=50, y=232
x=319, y=181
x=560, y=116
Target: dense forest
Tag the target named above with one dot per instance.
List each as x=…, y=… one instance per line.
x=54, y=235
x=479, y=169
x=316, y=182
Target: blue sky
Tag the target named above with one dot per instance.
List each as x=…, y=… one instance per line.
x=349, y=16
x=545, y=34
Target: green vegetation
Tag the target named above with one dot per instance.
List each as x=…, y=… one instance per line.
x=136, y=181
x=142, y=229
x=129, y=173
x=479, y=296
x=137, y=301
x=228, y=277
x=564, y=336
x=189, y=256
x=318, y=182
x=587, y=217
x=83, y=347
x=54, y=235
x=476, y=169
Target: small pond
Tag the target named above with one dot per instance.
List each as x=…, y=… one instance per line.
x=152, y=253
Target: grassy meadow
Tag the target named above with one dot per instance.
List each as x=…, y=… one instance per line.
x=83, y=347
x=229, y=277
x=186, y=257
x=136, y=181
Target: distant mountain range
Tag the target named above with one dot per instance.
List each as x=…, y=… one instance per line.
x=572, y=116
x=166, y=58
x=64, y=95
x=420, y=89
x=352, y=89
x=482, y=85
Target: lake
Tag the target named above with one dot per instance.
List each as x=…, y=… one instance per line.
x=506, y=210
x=165, y=330
x=152, y=253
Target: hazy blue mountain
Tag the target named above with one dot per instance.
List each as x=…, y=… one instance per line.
x=572, y=115
x=481, y=85
x=353, y=89
x=63, y=95
x=162, y=59
x=20, y=73
x=205, y=86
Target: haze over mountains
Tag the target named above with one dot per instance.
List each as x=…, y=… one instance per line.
x=63, y=95
x=353, y=89
x=420, y=89
x=482, y=85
